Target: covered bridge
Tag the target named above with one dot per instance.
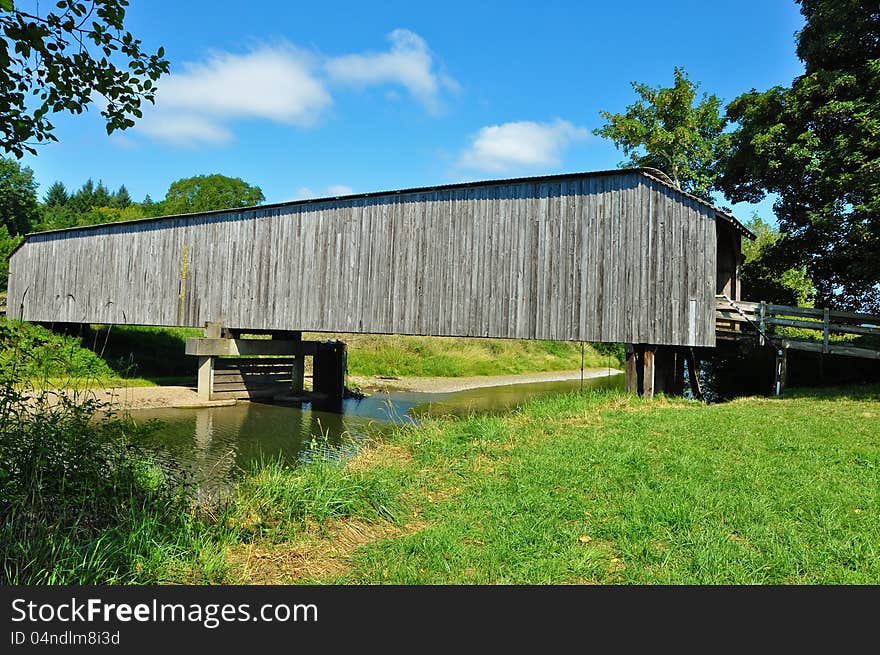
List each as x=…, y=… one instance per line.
x=613, y=256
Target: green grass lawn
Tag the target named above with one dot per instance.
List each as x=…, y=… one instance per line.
x=609, y=489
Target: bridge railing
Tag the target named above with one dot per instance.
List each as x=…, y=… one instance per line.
x=741, y=318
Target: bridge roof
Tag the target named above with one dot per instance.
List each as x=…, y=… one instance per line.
x=651, y=173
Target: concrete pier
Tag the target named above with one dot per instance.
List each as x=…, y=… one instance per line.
x=230, y=367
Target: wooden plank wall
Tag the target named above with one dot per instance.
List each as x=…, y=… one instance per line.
x=615, y=257
x=251, y=377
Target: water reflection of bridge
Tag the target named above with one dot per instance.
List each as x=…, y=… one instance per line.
x=218, y=443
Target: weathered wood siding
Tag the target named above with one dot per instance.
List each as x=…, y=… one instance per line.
x=614, y=257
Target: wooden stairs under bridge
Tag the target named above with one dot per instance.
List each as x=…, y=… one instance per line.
x=738, y=320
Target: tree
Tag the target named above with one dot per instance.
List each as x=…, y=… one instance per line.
x=8, y=243
x=121, y=199
x=207, y=192
x=83, y=199
x=101, y=196
x=763, y=281
x=56, y=196
x=817, y=145
x=18, y=197
x=664, y=129
x=64, y=59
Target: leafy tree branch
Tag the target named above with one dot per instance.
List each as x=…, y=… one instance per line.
x=63, y=61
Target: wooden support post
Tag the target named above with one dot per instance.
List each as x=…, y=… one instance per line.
x=693, y=365
x=781, y=377
x=632, y=378
x=640, y=369
x=206, y=378
x=676, y=384
x=299, y=367
x=328, y=376
x=648, y=368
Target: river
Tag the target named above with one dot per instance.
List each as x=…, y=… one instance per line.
x=217, y=443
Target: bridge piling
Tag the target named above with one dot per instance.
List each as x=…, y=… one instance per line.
x=299, y=366
x=631, y=369
x=267, y=368
x=649, y=371
x=206, y=378
x=654, y=369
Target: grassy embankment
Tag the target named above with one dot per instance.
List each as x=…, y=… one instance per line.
x=122, y=356
x=597, y=488
x=142, y=356
x=609, y=489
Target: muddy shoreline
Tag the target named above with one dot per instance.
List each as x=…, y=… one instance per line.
x=128, y=398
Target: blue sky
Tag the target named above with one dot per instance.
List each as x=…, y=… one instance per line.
x=315, y=99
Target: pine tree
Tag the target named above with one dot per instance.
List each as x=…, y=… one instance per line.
x=121, y=199
x=57, y=195
x=83, y=199
x=101, y=197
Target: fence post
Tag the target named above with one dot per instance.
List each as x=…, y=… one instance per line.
x=761, y=323
x=826, y=331
x=781, y=371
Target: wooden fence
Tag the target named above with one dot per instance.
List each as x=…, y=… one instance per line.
x=742, y=319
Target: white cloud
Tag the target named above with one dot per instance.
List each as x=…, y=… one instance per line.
x=305, y=193
x=200, y=102
x=520, y=144
x=339, y=190
x=409, y=63
x=183, y=129
x=275, y=83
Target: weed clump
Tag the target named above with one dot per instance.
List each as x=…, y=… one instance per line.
x=81, y=501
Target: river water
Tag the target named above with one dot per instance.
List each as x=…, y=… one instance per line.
x=218, y=443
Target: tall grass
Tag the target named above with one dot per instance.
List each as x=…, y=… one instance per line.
x=277, y=501
x=81, y=501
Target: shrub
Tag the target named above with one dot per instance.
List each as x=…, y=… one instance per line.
x=81, y=501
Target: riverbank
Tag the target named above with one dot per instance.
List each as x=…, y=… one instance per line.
x=577, y=488
x=124, y=398
x=450, y=385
